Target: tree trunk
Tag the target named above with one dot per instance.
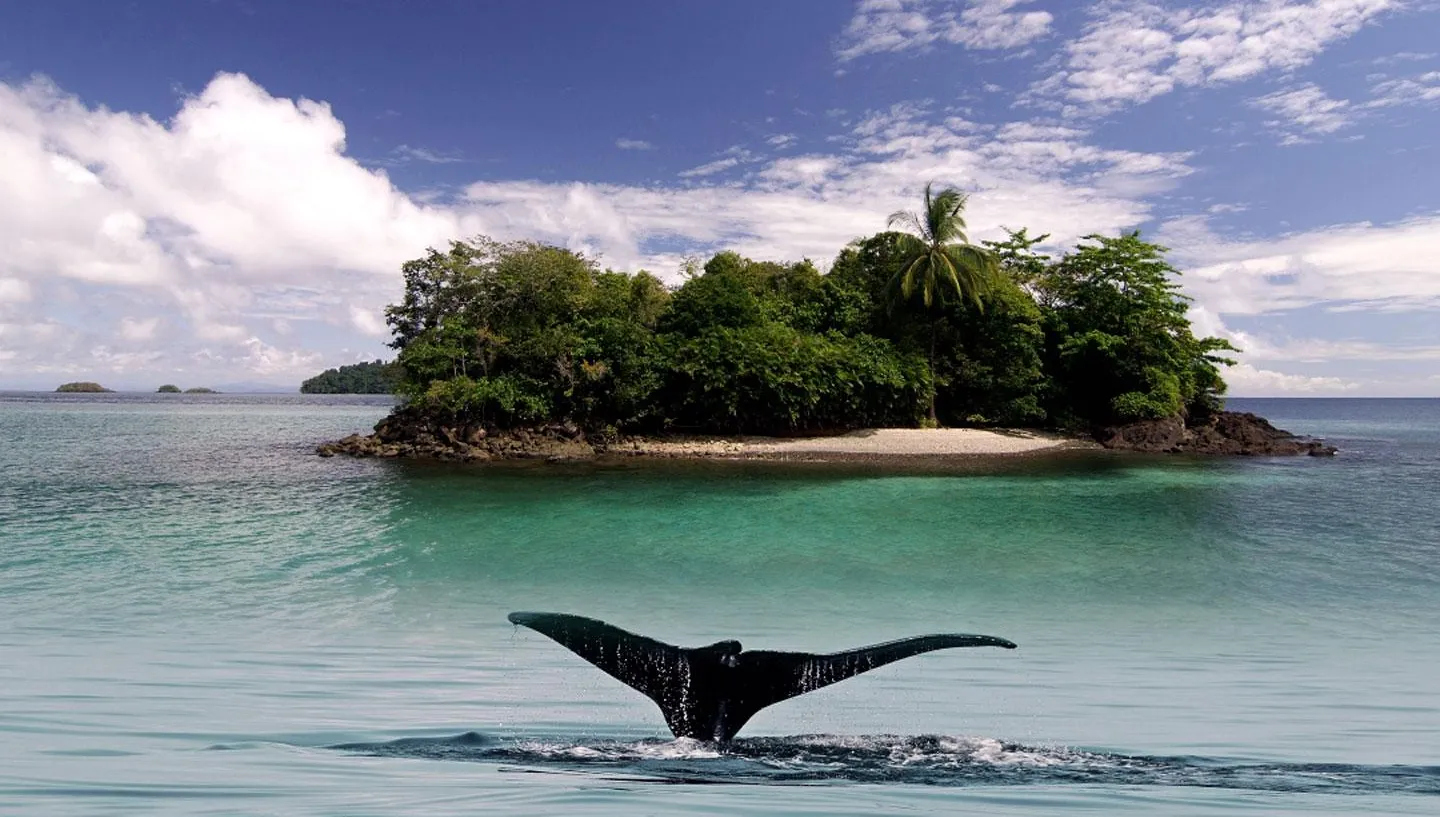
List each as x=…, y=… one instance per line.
x=934, y=330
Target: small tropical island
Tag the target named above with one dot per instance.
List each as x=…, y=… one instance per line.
x=915, y=342
x=168, y=388
x=372, y=377
x=83, y=387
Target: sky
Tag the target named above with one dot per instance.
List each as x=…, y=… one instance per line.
x=212, y=192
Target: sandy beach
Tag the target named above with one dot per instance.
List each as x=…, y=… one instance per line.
x=867, y=444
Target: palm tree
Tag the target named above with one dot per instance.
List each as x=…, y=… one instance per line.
x=939, y=260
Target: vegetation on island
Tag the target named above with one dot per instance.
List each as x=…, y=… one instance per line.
x=200, y=390
x=373, y=377
x=168, y=388
x=905, y=329
x=84, y=387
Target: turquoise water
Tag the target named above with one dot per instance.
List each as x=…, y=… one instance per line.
x=195, y=611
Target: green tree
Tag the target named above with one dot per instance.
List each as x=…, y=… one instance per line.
x=1119, y=344
x=991, y=360
x=373, y=377
x=938, y=260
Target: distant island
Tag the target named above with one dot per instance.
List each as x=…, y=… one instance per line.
x=374, y=377
x=168, y=388
x=523, y=349
x=200, y=390
x=84, y=387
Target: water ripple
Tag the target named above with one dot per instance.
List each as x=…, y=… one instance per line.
x=937, y=760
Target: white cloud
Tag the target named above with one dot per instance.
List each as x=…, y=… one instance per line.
x=1422, y=89
x=408, y=153
x=211, y=214
x=138, y=329
x=369, y=322
x=1360, y=267
x=710, y=168
x=1245, y=380
x=1304, y=111
x=244, y=213
x=625, y=143
x=1135, y=50
x=811, y=205
x=782, y=140
x=268, y=361
x=1405, y=56
x=900, y=25
x=14, y=291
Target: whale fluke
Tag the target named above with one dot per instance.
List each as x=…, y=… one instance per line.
x=708, y=693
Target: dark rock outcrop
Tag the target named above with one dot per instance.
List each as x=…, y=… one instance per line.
x=1225, y=433
x=413, y=434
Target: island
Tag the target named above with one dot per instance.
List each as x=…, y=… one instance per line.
x=915, y=342
x=372, y=377
x=200, y=390
x=168, y=388
x=83, y=387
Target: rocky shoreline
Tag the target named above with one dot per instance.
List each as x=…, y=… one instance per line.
x=1228, y=433
x=413, y=435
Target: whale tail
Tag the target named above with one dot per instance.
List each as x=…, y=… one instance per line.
x=708, y=693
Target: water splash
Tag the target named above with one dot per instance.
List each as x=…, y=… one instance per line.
x=926, y=759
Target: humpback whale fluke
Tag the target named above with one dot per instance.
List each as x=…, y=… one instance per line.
x=708, y=693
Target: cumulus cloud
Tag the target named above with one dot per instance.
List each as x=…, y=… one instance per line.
x=625, y=143
x=369, y=322
x=1135, y=50
x=1245, y=380
x=900, y=25
x=182, y=245
x=213, y=214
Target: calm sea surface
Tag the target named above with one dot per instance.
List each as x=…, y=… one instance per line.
x=199, y=616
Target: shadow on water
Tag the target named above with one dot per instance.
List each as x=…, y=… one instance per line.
x=934, y=760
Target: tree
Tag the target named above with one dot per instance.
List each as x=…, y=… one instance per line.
x=374, y=377
x=940, y=260
x=1119, y=346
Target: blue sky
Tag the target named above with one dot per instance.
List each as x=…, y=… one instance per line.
x=222, y=192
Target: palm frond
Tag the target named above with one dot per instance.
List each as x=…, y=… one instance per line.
x=909, y=246
x=906, y=219
x=975, y=268
x=938, y=257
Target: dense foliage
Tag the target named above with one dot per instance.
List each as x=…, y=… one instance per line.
x=168, y=388
x=522, y=333
x=82, y=386
x=373, y=377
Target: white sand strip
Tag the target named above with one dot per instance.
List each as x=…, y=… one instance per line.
x=876, y=442
x=921, y=441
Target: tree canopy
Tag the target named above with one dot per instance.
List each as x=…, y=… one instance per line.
x=521, y=333
x=372, y=377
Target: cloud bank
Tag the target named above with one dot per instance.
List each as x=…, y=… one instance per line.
x=238, y=240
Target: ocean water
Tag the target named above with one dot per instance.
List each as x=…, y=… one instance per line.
x=199, y=616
